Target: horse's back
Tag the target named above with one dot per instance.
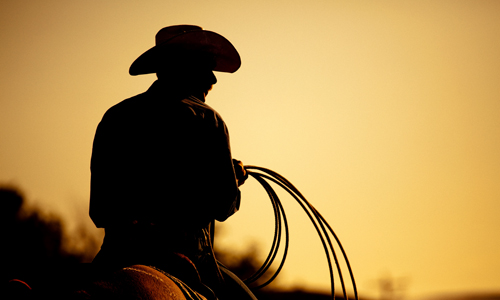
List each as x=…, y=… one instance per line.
x=137, y=282
x=133, y=282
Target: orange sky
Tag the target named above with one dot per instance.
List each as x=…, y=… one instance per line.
x=385, y=114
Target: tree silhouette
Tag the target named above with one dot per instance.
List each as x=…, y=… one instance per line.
x=32, y=239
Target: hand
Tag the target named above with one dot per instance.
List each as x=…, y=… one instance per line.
x=239, y=170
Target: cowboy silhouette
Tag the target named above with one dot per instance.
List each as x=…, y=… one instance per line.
x=161, y=167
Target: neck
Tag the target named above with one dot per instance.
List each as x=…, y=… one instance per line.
x=182, y=89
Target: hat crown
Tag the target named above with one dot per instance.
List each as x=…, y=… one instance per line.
x=170, y=32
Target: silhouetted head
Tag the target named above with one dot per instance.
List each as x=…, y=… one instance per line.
x=189, y=71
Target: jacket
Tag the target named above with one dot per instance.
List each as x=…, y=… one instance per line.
x=162, y=157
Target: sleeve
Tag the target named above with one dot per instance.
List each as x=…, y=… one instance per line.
x=99, y=206
x=219, y=175
x=108, y=174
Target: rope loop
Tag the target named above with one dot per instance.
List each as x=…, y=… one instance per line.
x=324, y=230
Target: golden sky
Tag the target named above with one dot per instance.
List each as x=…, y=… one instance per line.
x=385, y=114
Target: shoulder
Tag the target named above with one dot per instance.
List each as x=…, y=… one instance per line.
x=129, y=105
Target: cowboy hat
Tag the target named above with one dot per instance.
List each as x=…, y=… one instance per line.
x=188, y=39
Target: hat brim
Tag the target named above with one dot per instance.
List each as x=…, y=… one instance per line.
x=225, y=55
